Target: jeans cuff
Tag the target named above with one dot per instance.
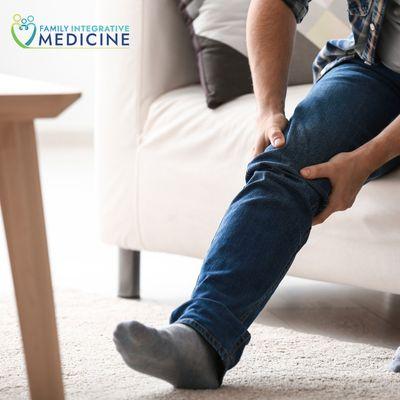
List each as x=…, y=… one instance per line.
x=222, y=331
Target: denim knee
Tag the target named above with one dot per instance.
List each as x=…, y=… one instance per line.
x=303, y=147
x=277, y=165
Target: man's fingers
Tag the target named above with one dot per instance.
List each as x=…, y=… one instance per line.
x=260, y=146
x=276, y=137
x=316, y=171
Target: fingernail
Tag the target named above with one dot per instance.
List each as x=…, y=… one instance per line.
x=278, y=142
x=305, y=172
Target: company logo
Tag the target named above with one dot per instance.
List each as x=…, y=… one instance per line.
x=28, y=34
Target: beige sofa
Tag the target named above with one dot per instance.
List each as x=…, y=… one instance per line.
x=167, y=167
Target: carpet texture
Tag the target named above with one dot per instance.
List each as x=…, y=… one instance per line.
x=278, y=363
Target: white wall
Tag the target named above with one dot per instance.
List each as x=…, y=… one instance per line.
x=71, y=67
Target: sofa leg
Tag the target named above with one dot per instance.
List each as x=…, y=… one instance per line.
x=129, y=274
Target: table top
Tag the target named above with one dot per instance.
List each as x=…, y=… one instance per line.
x=22, y=98
x=14, y=85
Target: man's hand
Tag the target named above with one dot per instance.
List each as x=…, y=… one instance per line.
x=271, y=129
x=347, y=173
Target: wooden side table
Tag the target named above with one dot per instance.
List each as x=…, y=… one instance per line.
x=21, y=101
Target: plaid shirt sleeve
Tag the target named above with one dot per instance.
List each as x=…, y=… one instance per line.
x=298, y=7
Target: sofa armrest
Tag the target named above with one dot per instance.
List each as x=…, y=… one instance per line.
x=160, y=58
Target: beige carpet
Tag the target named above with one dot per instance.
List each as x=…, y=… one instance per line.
x=278, y=364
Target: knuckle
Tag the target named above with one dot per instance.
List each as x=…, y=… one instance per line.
x=273, y=136
x=276, y=131
x=311, y=173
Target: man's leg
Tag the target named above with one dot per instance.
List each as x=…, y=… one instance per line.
x=262, y=231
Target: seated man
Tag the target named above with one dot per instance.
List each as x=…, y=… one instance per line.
x=345, y=133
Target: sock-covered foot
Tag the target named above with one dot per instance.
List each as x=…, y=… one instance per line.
x=395, y=364
x=176, y=354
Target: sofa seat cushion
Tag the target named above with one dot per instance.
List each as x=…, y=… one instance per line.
x=191, y=162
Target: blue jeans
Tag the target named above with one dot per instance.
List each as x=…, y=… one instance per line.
x=270, y=219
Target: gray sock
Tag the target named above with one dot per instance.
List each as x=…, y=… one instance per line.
x=176, y=354
x=395, y=364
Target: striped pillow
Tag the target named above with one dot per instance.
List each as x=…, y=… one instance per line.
x=326, y=19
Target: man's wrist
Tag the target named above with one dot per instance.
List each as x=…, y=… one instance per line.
x=271, y=107
x=375, y=153
x=268, y=115
x=381, y=148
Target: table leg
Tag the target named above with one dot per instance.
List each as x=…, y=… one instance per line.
x=21, y=204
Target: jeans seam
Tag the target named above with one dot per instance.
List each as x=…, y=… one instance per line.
x=267, y=294
x=244, y=316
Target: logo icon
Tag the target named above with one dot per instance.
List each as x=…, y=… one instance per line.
x=23, y=30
